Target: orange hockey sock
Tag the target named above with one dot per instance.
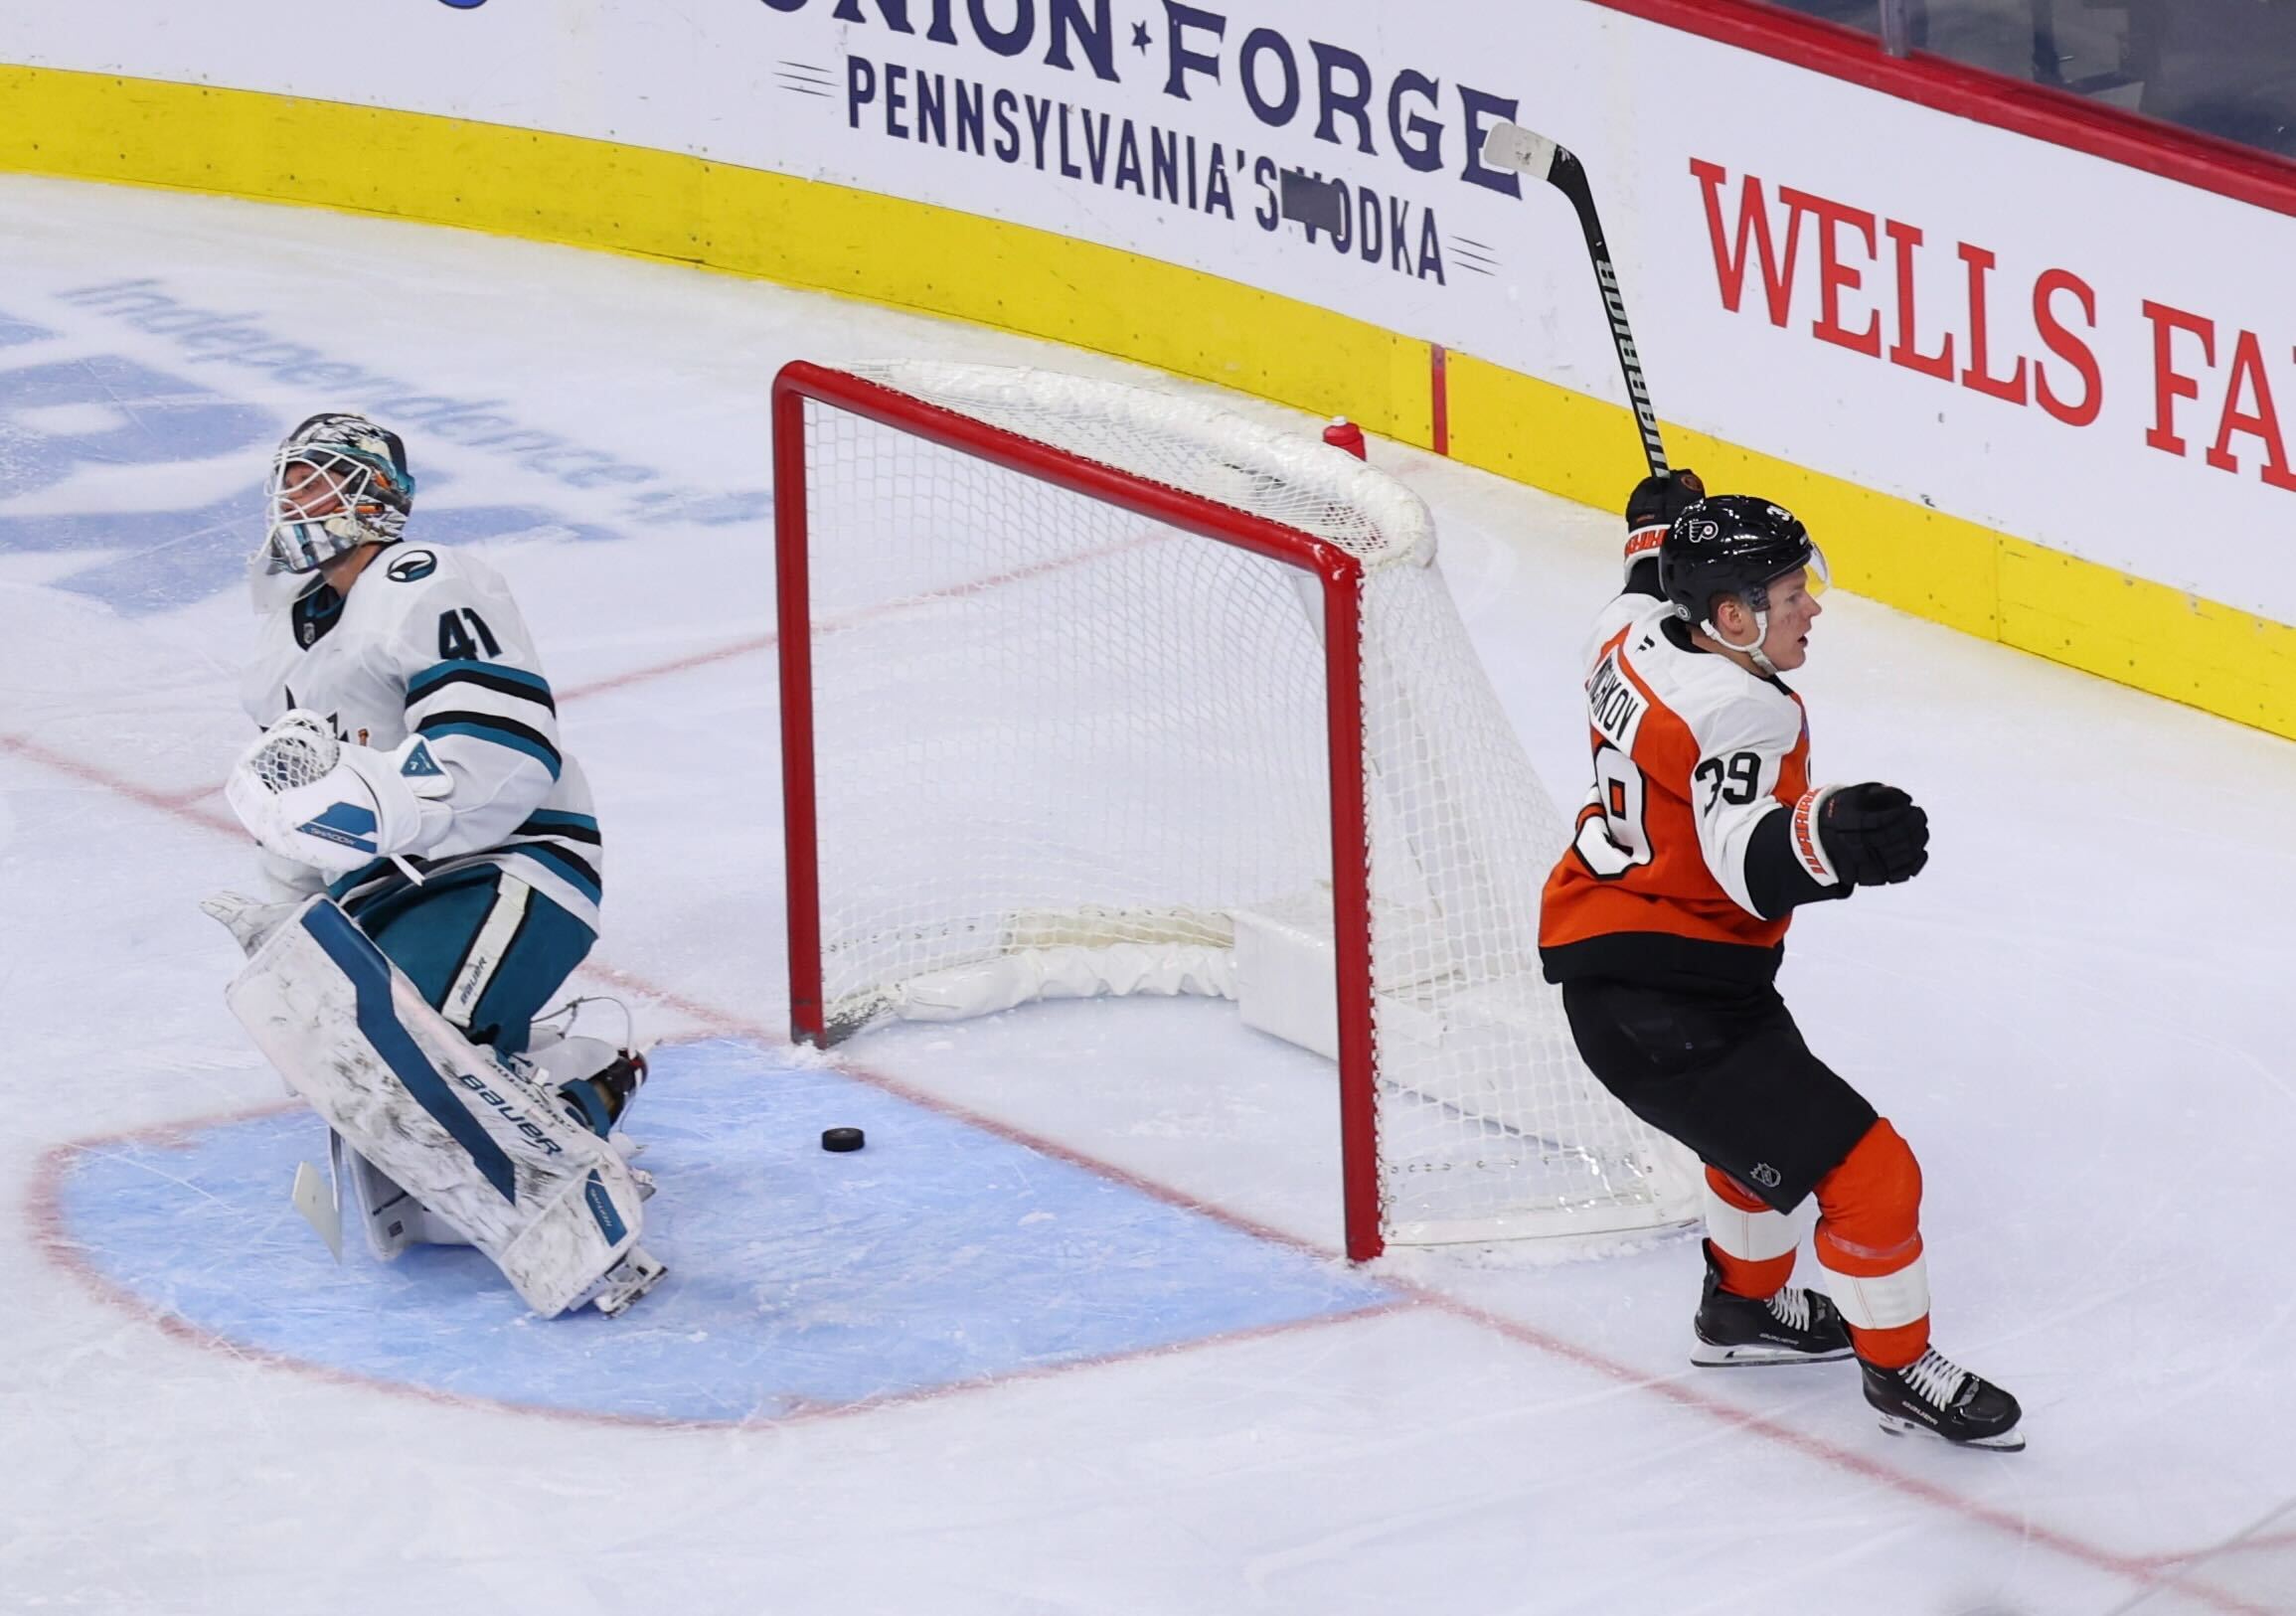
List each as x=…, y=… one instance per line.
x=1745, y=1234
x=1869, y=1243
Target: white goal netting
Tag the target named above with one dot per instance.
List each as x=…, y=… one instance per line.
x=1063, y=747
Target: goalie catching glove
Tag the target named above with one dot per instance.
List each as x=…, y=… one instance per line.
x=334, y=805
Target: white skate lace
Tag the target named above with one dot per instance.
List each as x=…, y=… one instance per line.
x=1935, y=1379
x=1791, y=1307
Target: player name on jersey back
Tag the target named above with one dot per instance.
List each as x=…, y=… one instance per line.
x=1613, y=705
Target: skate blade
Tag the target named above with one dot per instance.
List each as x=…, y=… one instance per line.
x=1756, y=1354
x=626, y=1281
x=2009, y=1441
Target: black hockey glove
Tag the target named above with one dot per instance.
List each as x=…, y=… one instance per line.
x=1874, y=834
x=1657, y=501
x=1650, y=511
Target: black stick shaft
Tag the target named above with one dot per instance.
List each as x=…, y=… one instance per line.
x=1569, y=176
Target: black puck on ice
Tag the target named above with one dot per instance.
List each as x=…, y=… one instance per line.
x=841, y=1139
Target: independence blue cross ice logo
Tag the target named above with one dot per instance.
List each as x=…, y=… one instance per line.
x=72, y=416
x=60, y=418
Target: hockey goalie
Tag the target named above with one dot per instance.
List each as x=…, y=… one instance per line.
x=433, y=863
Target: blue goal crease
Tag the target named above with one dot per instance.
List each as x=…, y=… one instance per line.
x=939, y=1255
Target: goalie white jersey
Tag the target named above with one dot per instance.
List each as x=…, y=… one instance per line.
x=430, y=642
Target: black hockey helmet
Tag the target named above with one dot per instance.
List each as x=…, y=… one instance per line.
x=1732, y=545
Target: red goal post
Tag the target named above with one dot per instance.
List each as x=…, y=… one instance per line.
x=1098, y=724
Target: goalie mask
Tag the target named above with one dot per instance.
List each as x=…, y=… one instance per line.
x=339, y=481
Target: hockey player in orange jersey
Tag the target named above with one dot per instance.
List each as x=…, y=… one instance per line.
x=1665, y=923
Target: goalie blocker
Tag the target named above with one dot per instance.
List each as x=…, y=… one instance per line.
x=551, y=1205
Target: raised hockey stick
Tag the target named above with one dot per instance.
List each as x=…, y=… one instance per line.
x=1511, y=146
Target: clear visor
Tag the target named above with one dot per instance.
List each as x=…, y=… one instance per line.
x=1811, y=575
x=319, y=506
x=1809, y=579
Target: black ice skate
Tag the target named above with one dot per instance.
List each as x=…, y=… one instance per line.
x=1793, y=1327
x=598, y=1100
x=1939, y=1398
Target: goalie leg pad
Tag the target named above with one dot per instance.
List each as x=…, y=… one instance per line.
x=393, y=1219
x=486, y=1150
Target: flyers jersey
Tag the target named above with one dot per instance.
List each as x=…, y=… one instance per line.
x=1698, y=836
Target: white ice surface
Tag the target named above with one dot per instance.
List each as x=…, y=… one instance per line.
x=2077, y=1016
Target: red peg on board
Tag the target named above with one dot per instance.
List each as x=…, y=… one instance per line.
x=1344, y=433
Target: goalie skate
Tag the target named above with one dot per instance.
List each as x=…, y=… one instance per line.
x=391, y=1219
x=627, y=1280
x=551, y=1205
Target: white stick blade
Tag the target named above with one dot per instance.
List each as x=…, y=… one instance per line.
x=1511, y=146
x=316, y=1201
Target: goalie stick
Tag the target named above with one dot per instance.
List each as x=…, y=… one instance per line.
x=1512, y=147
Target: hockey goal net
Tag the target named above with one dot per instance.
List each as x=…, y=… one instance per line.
x=1094, y=690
